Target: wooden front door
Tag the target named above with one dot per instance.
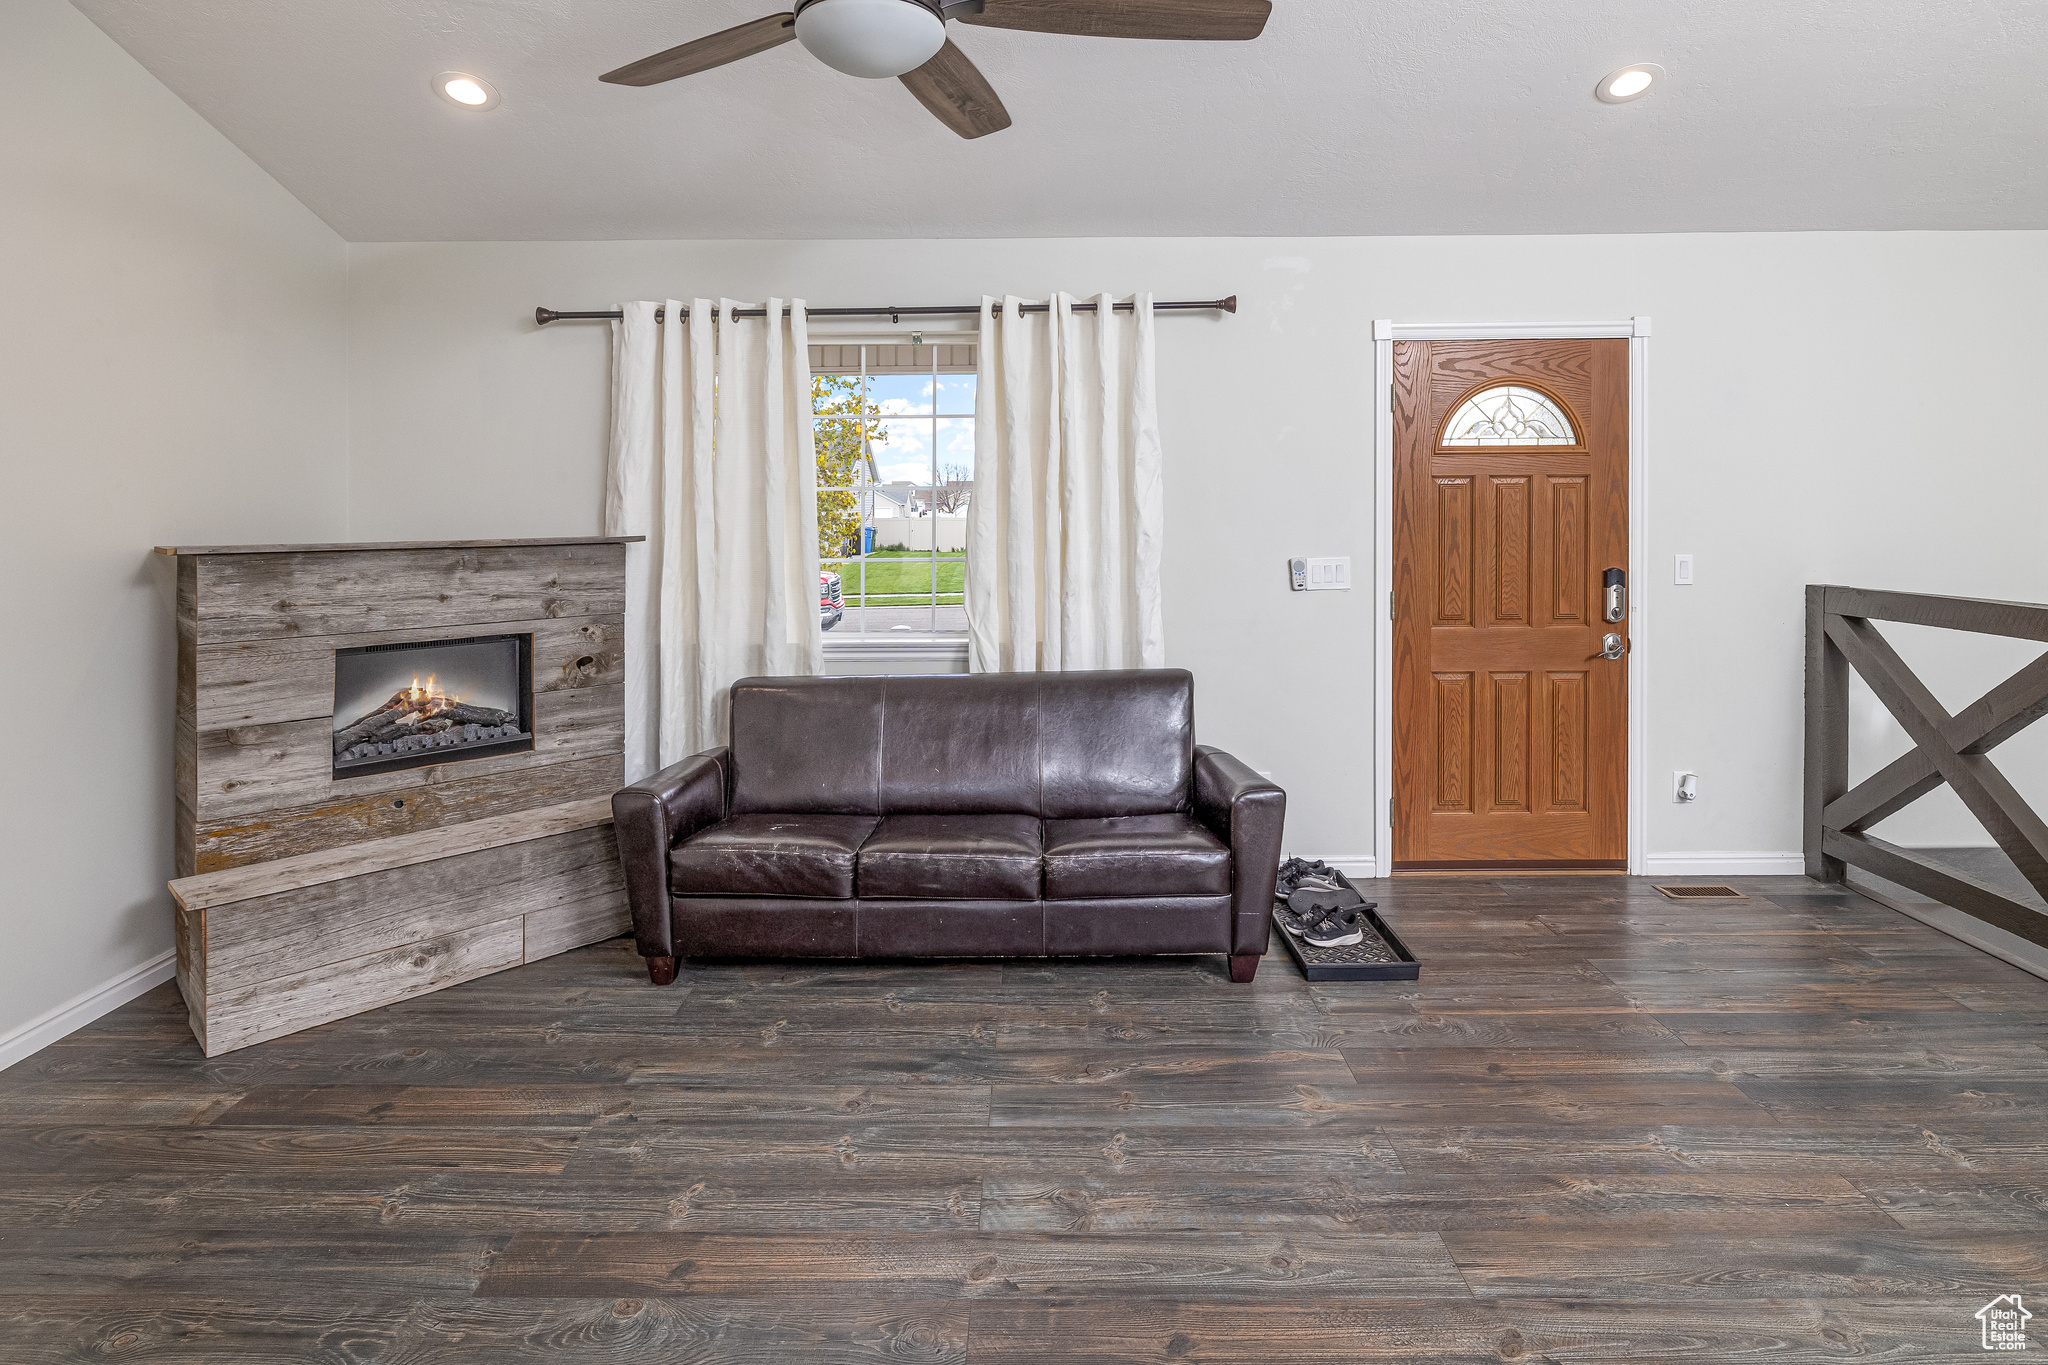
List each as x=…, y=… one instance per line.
x=1510, y=506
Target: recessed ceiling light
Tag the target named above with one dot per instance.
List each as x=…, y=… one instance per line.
x=471, y=92
x=1629, y=83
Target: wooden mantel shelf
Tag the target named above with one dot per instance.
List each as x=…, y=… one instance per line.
x=340, y=546
x=211, y=889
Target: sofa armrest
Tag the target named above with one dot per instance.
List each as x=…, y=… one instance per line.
x=1247, y=812
x=650, y=818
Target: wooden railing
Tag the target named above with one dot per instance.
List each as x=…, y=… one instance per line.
x=1947, y=749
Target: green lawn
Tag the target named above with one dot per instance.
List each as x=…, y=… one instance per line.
x=900, y=578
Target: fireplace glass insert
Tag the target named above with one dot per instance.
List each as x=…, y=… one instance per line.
x=440, y=701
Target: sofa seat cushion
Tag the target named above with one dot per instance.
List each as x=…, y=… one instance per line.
x=1133, y=855
x=952, y=857
x=771, y=855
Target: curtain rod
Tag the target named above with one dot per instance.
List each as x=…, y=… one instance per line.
x=543, y=316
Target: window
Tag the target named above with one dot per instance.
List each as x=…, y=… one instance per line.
x=895, y=432
x=1509, y=415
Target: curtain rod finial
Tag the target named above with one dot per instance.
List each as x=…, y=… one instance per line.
x=543, y=316
x=1229, y=305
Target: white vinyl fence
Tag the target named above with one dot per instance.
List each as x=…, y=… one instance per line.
x=915, y=533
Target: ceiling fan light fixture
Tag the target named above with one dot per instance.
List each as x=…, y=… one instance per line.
x=466, y=91
x=871, y=38
x=1629, y=83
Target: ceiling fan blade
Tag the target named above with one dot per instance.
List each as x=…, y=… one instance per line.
x=1186, y=20
x=958, y=95
x=705, y=53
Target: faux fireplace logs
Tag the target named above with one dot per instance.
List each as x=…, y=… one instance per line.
x=420, y=718
x=454, y=699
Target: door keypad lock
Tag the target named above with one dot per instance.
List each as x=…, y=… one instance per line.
x=1614, y=597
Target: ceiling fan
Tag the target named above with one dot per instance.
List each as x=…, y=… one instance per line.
x=907, y=39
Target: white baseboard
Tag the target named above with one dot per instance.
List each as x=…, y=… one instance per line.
x=1724, y=864
x=75, y=1013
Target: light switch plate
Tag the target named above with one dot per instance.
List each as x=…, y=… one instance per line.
x=1329, y=575
x=1682, y=570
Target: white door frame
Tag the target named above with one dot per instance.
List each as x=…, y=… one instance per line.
x=1385, y=332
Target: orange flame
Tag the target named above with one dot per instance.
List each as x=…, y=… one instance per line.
x=428, y=696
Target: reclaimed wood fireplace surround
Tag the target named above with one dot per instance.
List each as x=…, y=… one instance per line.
x=309, y=889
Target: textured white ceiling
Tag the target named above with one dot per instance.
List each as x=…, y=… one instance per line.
x=1346, y=118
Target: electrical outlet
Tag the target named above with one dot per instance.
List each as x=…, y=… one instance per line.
x=1682, y=572
x=1329, y=575
x=1685, y=787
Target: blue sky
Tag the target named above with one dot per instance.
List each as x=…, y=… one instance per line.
x=906, y=402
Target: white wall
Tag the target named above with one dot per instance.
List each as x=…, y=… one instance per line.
x=1857, y=408
x=173, y=369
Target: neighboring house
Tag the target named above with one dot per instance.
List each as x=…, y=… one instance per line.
x=892, y=500
x=905, y=499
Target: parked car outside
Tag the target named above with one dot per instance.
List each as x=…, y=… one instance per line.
x=831, y=600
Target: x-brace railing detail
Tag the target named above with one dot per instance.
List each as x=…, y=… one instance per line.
x=1947, y=749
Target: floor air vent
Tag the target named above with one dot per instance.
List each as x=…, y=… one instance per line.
x=1702, y=893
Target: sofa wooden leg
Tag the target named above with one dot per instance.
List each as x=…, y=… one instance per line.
x=1244, y=967
x=661, y=970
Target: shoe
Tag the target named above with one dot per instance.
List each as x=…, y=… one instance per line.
x=1338, y=929
x=1297, y=872
x=1307, y=904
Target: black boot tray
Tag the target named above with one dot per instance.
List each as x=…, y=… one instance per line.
x=1379, y=956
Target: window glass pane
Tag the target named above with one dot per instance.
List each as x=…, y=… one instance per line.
x=894, y=486
x=841, y=461
x=848, y=571
x=951, y=615
x=900, y=578
x=839, y=525
x=956, y=395
x=901, y=395
x=956, y=456
x=952, y=579
x=832, y=580
x=836, y=393
x=902, y=450
x=1509, y=415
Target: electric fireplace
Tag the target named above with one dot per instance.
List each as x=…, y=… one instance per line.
x=440, y=701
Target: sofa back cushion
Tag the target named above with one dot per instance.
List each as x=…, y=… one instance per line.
x=1115, y=743
x=807, y=746
x=1053, y=745
x=961, y=743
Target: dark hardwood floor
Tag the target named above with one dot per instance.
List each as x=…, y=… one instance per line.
x=1602, y=1127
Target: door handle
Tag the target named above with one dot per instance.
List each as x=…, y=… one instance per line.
x=1614, y=596
x=1612, y=646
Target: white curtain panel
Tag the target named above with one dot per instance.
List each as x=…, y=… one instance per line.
x=712, y=460
x=1064, y=528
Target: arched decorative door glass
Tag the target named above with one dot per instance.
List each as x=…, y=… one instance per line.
x=1509, y=415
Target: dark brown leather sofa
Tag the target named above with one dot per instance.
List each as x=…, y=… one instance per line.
x=1011, y=815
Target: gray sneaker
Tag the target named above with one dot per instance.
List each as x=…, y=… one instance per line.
x=1338, y=929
